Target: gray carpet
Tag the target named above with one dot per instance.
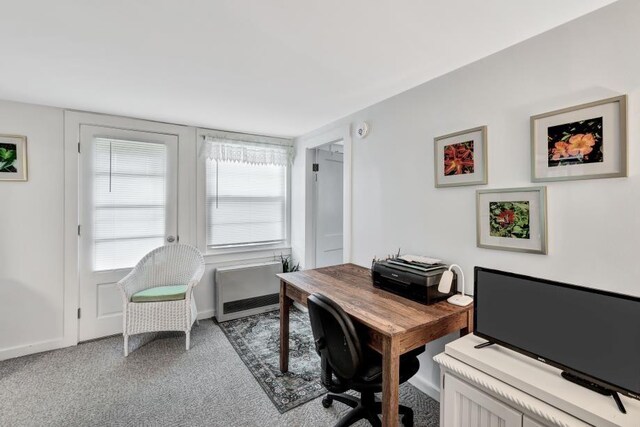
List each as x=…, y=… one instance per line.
x=159, y=384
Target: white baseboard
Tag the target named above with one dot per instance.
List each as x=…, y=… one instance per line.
x=37, y=347
x=54, y=344
x=426, y=387
x=206, y=314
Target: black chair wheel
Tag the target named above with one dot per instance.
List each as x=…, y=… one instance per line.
x=407, y=420
x=327, y=401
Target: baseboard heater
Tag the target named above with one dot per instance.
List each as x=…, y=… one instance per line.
x=243, y=290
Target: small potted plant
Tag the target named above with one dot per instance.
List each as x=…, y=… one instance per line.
x=287, y=264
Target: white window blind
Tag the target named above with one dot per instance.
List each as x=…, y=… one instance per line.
x=129, y=194
x=246, y=193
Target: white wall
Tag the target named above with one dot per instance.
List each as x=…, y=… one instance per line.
x=31, y=230
x=594, y=225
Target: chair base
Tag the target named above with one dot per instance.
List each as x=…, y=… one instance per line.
x=367, y=407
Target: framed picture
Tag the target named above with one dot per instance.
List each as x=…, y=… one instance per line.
x=582, y=142
x=461, y=158
x=513, y=219
x=13, y=158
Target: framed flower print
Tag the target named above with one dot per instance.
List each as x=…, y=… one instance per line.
x=461, y=158
x=13, y=158
x=512, y=219
x=582, y=142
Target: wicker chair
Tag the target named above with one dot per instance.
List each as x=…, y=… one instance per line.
x=170, y=265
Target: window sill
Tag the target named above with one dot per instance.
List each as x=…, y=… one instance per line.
x=215, y=256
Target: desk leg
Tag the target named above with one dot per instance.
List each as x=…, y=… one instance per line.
x=285, y=303
x=390, y=382
x=469, y=328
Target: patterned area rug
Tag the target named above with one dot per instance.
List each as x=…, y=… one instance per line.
x=256, y=339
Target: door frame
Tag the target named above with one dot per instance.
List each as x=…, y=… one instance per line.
x=186, y=197
x=341, y=133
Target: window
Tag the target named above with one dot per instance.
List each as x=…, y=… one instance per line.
x=246, y=193
x=129, y=201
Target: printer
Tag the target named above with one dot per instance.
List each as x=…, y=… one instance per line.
x=416, y=281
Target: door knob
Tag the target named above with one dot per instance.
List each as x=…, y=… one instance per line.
x=171, y=239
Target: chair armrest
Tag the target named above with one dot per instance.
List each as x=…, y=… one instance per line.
x=197, y=276
x=194, y=280
x=129, y=284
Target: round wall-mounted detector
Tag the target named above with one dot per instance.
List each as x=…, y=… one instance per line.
x=362, y=130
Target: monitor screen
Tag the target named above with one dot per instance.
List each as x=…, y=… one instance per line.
x=585, y=331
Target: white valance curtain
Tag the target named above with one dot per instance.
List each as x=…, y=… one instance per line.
x=251, y=152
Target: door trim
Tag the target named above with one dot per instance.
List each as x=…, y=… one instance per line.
x=342, y=133
x=186, y=197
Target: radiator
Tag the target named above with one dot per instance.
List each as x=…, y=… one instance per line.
x=244, y=290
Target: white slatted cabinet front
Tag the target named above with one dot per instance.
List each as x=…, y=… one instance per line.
x=467, y=406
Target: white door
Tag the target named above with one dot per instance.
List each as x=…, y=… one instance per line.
x=329, y=208
x=128, y=206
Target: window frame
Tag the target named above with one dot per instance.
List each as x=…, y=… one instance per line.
x=202, y=205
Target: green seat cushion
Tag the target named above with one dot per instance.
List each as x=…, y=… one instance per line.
x=161, y=293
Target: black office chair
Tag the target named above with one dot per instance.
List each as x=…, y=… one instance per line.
x=346, y=365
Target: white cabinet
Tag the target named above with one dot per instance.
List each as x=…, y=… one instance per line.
x=528, y=422
x=497, y=387
x=466, y=406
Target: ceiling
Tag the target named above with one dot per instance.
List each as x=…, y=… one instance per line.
x=277, y=67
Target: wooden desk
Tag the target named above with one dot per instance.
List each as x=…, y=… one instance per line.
x=394, y=324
